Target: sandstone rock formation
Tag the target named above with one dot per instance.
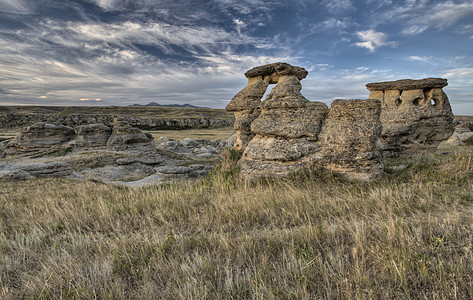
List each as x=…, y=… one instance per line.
x=93, y=135
x=147, y=118
x=40, y=137
x=125, y=137
x=246, y=103
x=349, y=139
x=291, y=133
x=415, y=114
x=53, y=169
x=11, y=173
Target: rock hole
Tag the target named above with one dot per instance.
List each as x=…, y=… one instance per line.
x=433, y=102
x=398, y=101
x=416, y=101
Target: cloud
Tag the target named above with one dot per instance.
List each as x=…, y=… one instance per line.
x=2, y=91
x=440, y=16
x=460, y=75
x=415, y=17
x=16, y=6
x=372, y=40
x=339, y=6
x=424, y=59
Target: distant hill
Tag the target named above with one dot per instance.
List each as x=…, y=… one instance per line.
x=169, y=105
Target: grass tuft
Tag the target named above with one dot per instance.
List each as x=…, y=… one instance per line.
x=309, y=236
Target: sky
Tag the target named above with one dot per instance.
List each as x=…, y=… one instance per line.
x=121, y=52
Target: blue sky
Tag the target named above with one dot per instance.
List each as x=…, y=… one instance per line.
x=120, y=52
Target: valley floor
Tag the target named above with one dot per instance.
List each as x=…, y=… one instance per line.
x=306, y=237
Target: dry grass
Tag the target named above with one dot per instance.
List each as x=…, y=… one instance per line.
x=310, y=236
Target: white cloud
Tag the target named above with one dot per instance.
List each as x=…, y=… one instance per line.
x=16, y=6
x=416, y=17
x=460, y=75
x=339, y=6
x=424, y=59
x=372, y=40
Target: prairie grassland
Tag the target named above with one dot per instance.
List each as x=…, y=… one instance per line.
x=306, y=237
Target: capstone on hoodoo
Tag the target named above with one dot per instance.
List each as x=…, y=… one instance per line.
x=246, y=103
x=416, y=114
x=289, y=133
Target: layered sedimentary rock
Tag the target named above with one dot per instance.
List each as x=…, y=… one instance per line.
x=415, y=114
x=292, y=133
x=349, y=139
x=246, y=103
x=39, y=137
x=93, y=135
x=125, y=137
x=286, y=131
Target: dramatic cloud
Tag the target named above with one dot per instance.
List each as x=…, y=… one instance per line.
x=193, y=51
x=372, y=40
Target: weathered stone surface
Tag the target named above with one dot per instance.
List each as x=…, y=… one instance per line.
x=174, y=170
x=461, y=134
x=2, y=149
x=189, y=143
x=145, y=160
x=127, y=138
x=349, y=139
x=246, y=103
x=291, y=122
x=174, y=146
x=141, y=117
x=250, y=96
x=291, y=132
x=93, y=135
x=12, y=173
x=39, y=137
x=408, y=84
x=54, y=169
x=200, y=170
x=416, y=115
x=254, y=169
x=285, y=94
x=207, y=149
x=278, y=69
x=244, y=118
x=279, y=149
x=118, y=173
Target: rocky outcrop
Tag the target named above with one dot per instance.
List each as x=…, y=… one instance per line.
x=415, y=114
x=129, y=172
x=286, y=131
x=141, y=117
x=246, y=103
x=127, y=138
x=48, y=137
x=462, y=135
x=291, y=133
x=11, y=173
x=40, y=137
x=54, y=169
x=93, y=135
x=348, y=140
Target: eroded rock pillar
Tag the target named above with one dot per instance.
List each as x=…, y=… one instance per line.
x=286, y=130
x=415, y=114
x=349, y=140
x=245, y=106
